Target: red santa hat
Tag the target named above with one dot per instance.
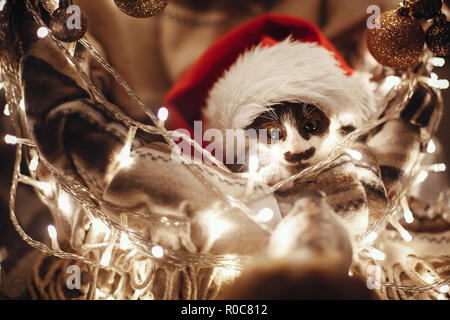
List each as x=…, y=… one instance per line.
x=270, y=59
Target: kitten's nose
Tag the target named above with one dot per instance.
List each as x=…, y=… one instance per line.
x=297, y=157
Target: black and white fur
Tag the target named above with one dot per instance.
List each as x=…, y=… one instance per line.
x=279, y=87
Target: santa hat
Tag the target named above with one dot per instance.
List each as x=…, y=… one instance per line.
x=271, y=59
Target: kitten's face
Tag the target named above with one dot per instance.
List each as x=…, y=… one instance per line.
x=295, y=136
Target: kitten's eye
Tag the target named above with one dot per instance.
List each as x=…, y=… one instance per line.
x=274, y=134
x=311, y=126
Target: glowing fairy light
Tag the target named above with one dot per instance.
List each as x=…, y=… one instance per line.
x=124, y=157
x=265, y=215
x=34, y=162
x=350, y=273
x=437, y=62
x=53, y=237
x=429, y=279
x=227, y=274
x=438, y=167
x=354, y=154
x=42, y=32
x=22, y=105
x=9, y=139
x=163, y=114
x=99, y=227
x=422, y=176
x=371, y=237
x=106, y=257
x=377, y=254
x=6, y=111
x=403, y=232
x=444, y=288
x=157, y=251
x=124, y=242
x=392, y=81
x=64, y=203
x=431, y=148
x=407, y=213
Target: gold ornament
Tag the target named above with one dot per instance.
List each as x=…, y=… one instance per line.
x=425, y=9
x=68, y=24
x=438, y=37
x=399, y=40
x=142, y=8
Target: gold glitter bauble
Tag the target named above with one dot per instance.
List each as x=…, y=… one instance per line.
x=399, y=41
x=425, y=9
x=438, y=38
x=142, y=8
x=68, y=25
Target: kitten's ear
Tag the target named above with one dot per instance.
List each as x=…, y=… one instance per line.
x=345, y=130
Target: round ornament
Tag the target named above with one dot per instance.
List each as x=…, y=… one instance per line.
x=399, y=40
x=68, y=24
x=425, y=9
x=438, y=37
x=142, y=8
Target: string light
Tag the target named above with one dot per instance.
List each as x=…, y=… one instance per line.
x=64, y=203
x=438, y=167
x=437, y=61
x=22, y=105
x=163, y=114
x=422, y=176
x=407, y=213
x=403, y=232
x=431, y=148
x=6, y=111
x=377, y=254
x=107, y=255
x=354, y=154
x=265, y=215
x=34, y=162
x=53, y=237
x=443, y=288
x=157, y=251
x=138, y=292
x=429, y=279
x=371, y=237
x=124, y=157
x=42, y=32
x=9, y=139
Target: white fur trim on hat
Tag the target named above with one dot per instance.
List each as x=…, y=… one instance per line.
x=287, y=71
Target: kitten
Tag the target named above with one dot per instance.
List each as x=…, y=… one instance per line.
x=293, y=136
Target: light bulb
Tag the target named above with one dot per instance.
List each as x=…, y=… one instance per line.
x=34, y=163
x=157, y=252
x=163, y=114
x=422, y=176
x=443, y=289
x=431, y=148
x=354, y=154
x=265, y=215
x=42, y=32
x=6, y=111
x=9, y=139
